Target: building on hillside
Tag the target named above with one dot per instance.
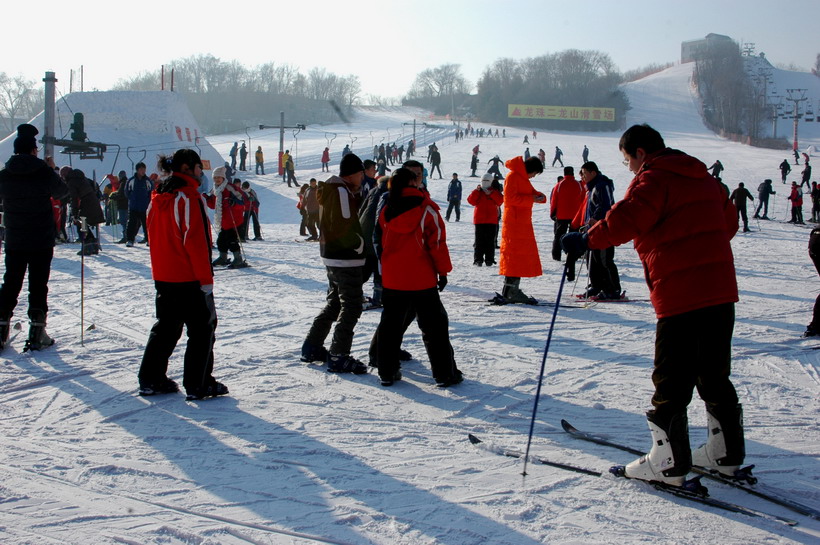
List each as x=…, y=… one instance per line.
x=135, y=125
x=690, y=49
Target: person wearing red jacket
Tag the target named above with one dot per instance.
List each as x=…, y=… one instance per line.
x=412, y=245
x=180, y=235
x=796, y=197
x=565, y=202
x=326, y=160
x=487, y=200
x=229, y=204
x=681, y=221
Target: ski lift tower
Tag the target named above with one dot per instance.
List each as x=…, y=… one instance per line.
x=79, y=143
x=797, y=96
x=281, y=126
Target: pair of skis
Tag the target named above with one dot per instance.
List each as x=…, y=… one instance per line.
x=693, y=490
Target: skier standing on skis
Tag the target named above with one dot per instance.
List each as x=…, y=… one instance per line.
x=681, y=222
x=763, y=192
x=229, y=206
x=604, y=280
x=519, y=250
x=27, y=184
x=739, y=197
x=785, y=168
x=182, y=273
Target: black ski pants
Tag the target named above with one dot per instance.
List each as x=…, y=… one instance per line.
x=228, y=240
x=763, y=202
x=455, y=204
x=603, y=273
x=484, y=244
x=136, y=219
x=694, y=350
x=814, y=254
x=559, y=228
x=400, y=307
x=38, y=263
x=181, y=304
x=344, y=306
x=251, y=215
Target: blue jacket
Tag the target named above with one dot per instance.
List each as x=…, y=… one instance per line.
x=600, y=190
x=454, y=190
x=138, y=191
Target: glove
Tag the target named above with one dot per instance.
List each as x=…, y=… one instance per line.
x=207, y=289
x=442, y=282
x=575, y=244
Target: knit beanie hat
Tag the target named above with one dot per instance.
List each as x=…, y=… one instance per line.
x=25, y=141
x=220, y=172
x=351, y=164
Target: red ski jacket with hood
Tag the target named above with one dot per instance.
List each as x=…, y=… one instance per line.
x=413, y=245
x=682, y=222
x=180, y=233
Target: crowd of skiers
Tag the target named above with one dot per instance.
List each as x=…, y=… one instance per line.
x=388, y=227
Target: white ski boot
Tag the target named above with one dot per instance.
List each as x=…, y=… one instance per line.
x=666, y=462
x=725, y=448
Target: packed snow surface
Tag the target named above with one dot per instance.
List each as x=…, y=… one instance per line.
x=298, y=455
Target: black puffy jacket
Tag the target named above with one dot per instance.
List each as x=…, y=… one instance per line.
x=27, y=184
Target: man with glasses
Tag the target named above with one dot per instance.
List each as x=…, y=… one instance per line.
x=681, y=221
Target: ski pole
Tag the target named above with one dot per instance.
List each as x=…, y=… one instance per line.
x=543, y=365
x=83, y=231
x=583, y=261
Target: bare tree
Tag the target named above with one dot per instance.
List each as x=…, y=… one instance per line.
x=143, y=81
x=816, y=69
x=18, y=100
x=444, y=80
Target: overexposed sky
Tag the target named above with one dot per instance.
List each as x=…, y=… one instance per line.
x=386, y=42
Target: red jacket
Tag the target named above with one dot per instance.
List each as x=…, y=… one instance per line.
x=486, y=205
x=796, y=196
x=681, y=221
x=519, y=251
x=414, y=245
x=566, y=198
x=180, y=233
x=233, y=205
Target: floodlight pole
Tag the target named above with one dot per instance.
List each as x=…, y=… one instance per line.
x=48, y=115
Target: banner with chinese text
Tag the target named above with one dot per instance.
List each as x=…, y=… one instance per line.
x=569, y=113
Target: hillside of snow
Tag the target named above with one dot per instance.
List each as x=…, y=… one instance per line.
x=298, y=455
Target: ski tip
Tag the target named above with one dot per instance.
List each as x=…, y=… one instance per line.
x=567, y=426
x=473, y=439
